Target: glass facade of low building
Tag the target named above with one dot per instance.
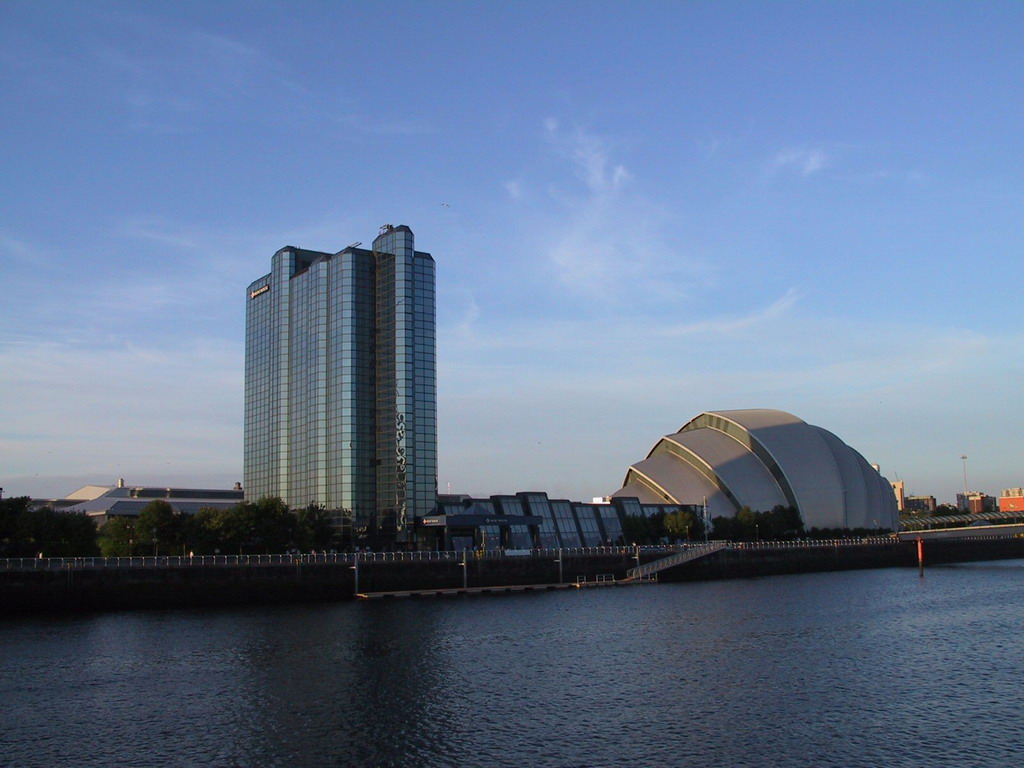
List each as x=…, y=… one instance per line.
x=530, y=520
x=340, y=383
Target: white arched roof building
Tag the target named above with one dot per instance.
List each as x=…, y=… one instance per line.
x=763, y=458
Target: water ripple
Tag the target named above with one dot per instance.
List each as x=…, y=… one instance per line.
x=874, y=668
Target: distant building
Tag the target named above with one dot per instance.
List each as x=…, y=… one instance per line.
x=899, y=490
x=920, y=504
x=340, y=384
x=102, y=502
x=975, y=502
x=1012, y=500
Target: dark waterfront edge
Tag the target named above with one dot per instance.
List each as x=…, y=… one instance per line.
x=178, y=583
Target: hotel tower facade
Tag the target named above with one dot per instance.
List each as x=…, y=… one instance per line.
x=341, y=384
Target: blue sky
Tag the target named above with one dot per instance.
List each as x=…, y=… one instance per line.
x=639, y=212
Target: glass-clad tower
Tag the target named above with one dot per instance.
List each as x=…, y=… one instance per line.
x=341, y=383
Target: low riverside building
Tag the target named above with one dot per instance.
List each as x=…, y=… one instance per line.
x=102, y=502
x=530, y=520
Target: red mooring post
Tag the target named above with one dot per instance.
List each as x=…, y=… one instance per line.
x=920, y=555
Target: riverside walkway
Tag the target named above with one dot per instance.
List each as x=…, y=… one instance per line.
x=975, y=531
x=350, y=558
x=321, y=558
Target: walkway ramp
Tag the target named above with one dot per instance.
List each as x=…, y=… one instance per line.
x=692, y=553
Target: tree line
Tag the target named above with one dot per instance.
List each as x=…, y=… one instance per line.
x=663, y=527
x=26, y=532
x=778, y=524
x=268, y=526
x=261, y=527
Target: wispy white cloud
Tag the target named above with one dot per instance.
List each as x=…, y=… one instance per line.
x=24, y=253
x=225, y=48
x=155, y=231
x=515, y=190
x=731, y=323
x=804, y=161
x=590, y=156
x=605, y=241
x=172, y=79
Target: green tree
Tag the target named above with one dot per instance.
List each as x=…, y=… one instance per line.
x=200, y=533
x=55, y=534
x=314, y=528
x=117, y=537
x=76, y=535
x=272, y=525
x=683, y=524
x=231, y=527
x=158, y=526
x=265, y=526
x=644, y=529
x=11, y=512
x=724, y=529
x=787, y=522
x=746, y=525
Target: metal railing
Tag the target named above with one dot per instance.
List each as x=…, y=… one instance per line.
x=320, y=558
x=813, y=543
x=348, y=558
x=648, y=569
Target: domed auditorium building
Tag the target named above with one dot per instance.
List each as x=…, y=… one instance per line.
x=762, y=459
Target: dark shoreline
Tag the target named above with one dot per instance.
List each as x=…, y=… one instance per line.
x=83, y=589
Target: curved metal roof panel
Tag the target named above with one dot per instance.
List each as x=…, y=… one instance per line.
x=881, y=510
x=803, y=457
x=739, y=470
x=855, y=483
x=641, y=491
x=683, y=483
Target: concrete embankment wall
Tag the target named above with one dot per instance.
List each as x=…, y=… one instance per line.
x=171, y=586
x=187, y=586
x=743, y=563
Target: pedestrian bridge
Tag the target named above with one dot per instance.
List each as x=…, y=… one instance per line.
x=692, y=552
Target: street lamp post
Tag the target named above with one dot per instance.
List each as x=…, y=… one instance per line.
x=706, y=520
x=963, y=458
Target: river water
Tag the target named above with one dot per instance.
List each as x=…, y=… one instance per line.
x=865, y=668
